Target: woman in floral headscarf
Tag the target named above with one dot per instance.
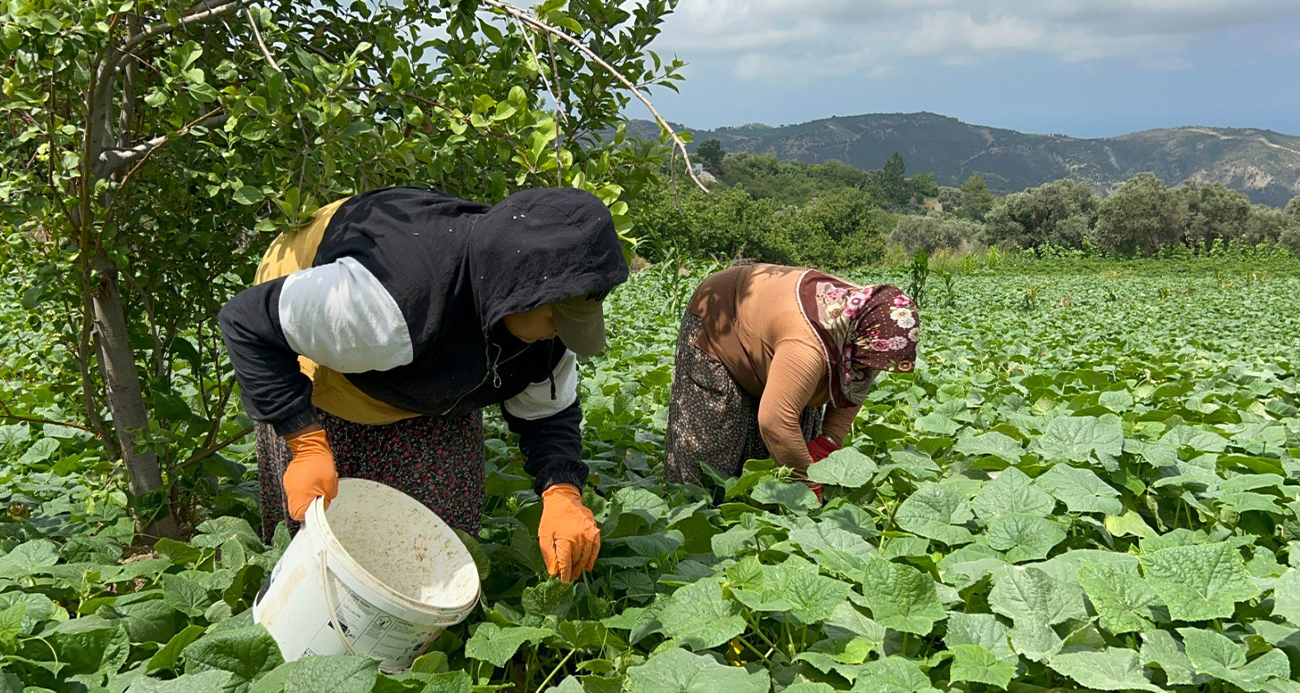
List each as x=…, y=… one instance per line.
x=776, y=361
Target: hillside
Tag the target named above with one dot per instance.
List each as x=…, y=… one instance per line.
x=1262, y=163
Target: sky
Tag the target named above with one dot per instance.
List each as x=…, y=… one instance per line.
x=1086, y=68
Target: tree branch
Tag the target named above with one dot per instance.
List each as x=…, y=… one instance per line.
x=113, y=160
x=202, y=12
x=260, y=43
x=524, y=17
x=200, y=456
x=9, y=415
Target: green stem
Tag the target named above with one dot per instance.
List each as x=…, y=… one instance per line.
x=753, y=649
x=555, y=671
x=754, y=627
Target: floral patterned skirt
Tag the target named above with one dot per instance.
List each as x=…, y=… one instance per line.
x=438, y=461
x=711, y=418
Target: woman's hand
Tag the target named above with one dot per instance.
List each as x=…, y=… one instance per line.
x=311, y=472
x=568, y=534
x=820, y=448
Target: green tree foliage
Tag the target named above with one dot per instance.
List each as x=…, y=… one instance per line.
x=976, y=198
x=893, y=181
x=922, y=186
x=1139, y=218
x=151, y=148
x=710, y=154
x=929, y=233
x=840, y=229
x=792, y=182
x=1293, y=207
x=1060, y=213
x=1213, y=213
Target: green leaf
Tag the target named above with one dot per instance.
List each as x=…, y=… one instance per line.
x=334, y=674
x=935, y=512
x=168, y=656
x=678, y=671
x=245, y=652
x=901, y=597
x=1160, y=648
x=496, y=644
x=1029, y=594
x=550, y=598
x=845, y=467
x=892, y=675
x=28, y=558
x=1024, y=537
x=248, y=195
x=991, y=443
x=40, y=451
x=1011, y=492
x=1079, y=438
x=89, y=645
x=1286, y=596
x=1129, y=524
x=976, y=664
x=824, y=536
x=699, y=617
x=1214, y=654
x=11, y=624
x=1200, y=582
x=185, y=595
x=203, y=682
x=984, y=630
x=1123, y=600
x=1195, y=438
x=147, y=621
x=448, y=682
x=792, y=496
x=1080, y=489
x=1112, y=669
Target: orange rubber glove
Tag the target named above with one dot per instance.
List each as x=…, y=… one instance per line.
x=568, y=533
x=310, y=473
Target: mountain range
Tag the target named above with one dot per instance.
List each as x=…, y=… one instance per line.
x=1261, y=163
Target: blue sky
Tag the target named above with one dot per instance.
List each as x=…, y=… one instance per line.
x=1087, y=68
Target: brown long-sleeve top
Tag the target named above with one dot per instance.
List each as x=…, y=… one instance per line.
x=753, y=325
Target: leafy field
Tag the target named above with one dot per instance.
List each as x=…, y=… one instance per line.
x=1089, y=483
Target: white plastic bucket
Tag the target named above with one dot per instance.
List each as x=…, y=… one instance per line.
x=377, y=574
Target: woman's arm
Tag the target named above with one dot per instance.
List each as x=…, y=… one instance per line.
x=271, y=385
x=792, y=379
x=338, y=315
x=548, y=422
x=837, y=422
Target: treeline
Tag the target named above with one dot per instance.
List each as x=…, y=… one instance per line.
x=1144, y=217
x=835, y=215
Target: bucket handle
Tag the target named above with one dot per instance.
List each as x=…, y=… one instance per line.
x=328, y=583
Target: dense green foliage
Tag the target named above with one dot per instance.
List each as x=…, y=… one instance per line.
x=1089, y=482
x=152, y=148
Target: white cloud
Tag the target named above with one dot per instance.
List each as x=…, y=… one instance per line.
x=805, y=39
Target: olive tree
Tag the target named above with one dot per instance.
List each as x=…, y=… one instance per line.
x=152, y=147
x=1141, y=217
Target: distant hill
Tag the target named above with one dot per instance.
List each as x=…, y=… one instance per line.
x=1261, y=163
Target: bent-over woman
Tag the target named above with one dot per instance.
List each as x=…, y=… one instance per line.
x=375, y=336
x=776, y=361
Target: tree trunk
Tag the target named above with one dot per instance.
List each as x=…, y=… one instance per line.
x=125, y=395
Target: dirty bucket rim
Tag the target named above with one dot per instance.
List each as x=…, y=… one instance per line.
x=456, y=613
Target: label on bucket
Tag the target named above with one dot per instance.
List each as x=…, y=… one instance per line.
x=371, y=631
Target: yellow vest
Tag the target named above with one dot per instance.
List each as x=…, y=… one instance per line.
x=331, y=390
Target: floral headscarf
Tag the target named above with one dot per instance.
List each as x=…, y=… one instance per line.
x=863, y=330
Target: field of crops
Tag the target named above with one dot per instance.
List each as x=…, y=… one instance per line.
x=1091, y=482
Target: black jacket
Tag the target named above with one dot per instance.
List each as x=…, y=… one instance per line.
x=406, y=296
